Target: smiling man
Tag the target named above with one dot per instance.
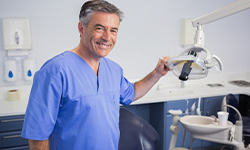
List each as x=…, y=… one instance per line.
x=75, y=97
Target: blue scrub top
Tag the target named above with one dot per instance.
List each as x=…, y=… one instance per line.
x=75, y=108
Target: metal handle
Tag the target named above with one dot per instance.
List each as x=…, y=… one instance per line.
x=17, y=37
x=11, y=136
x=12, y=120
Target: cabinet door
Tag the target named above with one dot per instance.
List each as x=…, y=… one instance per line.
x=212, y=105
x=195, y=102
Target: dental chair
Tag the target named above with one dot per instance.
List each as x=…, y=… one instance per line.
x=136, y=133
x=244, y=108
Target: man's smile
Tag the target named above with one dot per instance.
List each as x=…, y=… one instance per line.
x=104, y=45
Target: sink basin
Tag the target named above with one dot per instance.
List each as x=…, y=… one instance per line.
x=203, y=124
x=173, y=92
x=164, y=93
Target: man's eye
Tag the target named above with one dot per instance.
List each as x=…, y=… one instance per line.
x=114, y=31
x=99, y=29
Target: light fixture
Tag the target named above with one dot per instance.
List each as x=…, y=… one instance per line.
x=189, y=64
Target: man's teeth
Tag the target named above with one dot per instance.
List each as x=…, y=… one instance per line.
x=103, y=44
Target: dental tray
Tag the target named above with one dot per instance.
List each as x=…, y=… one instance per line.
x=241, y=83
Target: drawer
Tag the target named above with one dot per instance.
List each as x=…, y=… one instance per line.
x=12, y=139
x=11, y=123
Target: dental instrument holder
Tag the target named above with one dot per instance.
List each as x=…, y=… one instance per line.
x=238, y=124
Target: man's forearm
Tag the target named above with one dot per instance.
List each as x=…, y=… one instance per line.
x=39, y=145
x=144, y=85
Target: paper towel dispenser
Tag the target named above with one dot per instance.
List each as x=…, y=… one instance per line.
x=16, y=33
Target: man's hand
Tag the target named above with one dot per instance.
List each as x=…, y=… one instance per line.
x=161, y=67
x=144, y=85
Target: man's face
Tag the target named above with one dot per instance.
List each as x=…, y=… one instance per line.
x=99, y=37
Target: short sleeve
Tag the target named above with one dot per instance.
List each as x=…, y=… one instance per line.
x=127, y=92
x=43, y=106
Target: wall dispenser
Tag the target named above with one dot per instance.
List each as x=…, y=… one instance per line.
x=28, y=69
x=16, y=33
x=10, y=73
x=18, y=64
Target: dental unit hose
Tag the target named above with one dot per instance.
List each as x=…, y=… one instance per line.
x=198, y=110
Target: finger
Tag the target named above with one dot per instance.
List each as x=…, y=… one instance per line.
x=164, y=60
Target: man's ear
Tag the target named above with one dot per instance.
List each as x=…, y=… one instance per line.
x=80, y=27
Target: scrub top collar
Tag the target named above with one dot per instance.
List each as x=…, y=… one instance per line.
x=97, y=77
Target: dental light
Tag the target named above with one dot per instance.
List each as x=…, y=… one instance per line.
x=189, y=64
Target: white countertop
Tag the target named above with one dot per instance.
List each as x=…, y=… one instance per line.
x=167, y=89
x=18, y=107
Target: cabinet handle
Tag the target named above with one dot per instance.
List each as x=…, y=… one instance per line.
x=208, y=113
x=12, y=120
x=11, y=136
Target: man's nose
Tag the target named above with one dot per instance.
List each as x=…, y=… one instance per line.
x=106, y=35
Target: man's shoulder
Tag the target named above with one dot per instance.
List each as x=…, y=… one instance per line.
x=56, y=62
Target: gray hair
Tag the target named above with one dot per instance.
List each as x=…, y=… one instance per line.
x=89, y=7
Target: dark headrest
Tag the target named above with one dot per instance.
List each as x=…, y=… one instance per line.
x=136, y=133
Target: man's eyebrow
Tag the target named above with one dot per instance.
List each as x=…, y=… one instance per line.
x=97, y=25
x=115, y=28
x=100, y=25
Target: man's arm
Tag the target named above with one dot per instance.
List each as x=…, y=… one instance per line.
x=39, y=145
x=144, y=85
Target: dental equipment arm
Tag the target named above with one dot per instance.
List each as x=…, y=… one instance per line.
x=235, y=7
x=186, y=69
x=218, y=14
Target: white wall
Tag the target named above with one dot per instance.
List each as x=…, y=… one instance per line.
x=149, y=30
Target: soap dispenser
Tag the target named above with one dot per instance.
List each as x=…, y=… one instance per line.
x=28, y=69
x=10, y=73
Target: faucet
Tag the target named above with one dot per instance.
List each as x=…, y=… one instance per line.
x=158, y=86
x=182, y=84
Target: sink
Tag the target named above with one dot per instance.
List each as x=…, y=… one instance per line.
x=203, y=124
x=165, y=92
x=162, y=92
x=174, y=91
